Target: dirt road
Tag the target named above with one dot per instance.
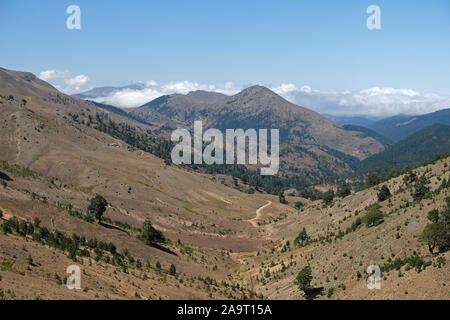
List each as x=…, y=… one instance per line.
x=258, y=214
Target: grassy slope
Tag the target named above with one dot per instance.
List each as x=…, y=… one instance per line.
x=336, y=264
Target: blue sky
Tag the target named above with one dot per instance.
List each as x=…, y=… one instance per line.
x=321, y=44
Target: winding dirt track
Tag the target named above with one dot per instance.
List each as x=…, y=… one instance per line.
x=258, y=214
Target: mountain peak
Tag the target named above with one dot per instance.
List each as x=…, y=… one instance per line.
x=261, y=96
x=257, y=89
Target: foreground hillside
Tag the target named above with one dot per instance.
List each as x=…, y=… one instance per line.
x=59, y=152
x=340, y=245
x=230, y=265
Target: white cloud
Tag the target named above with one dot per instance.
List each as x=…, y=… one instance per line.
x=229, y=85
x=374, y=101
x=130, y=98
x=76, y=83
x=78, y=80
x=306, y=89
x=151, y=83
x=47, y=75
x=60, y=78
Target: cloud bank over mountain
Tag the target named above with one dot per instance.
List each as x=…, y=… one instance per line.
x=128, y=97
x=375, y=101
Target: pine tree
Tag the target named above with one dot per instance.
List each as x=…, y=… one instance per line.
x=302, y=238
x=172, y=270
x=97, y=207
x=303, y=279
x=384, y=193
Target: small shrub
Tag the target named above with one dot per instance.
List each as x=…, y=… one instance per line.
x=330, y=292
x=374, y=217
x=172, y=270
x=384, y=193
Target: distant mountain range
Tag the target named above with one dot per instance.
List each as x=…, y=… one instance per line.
x=319, y=145
x=175, y=108
x=369, y=133
x=411, y=151
x=107, y=91
x=400, y=126
x=353, y=120
x=309, y=141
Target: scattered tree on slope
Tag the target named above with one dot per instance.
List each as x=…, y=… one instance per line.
x=97, y=207
x=150, y=235
x=303, y=279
